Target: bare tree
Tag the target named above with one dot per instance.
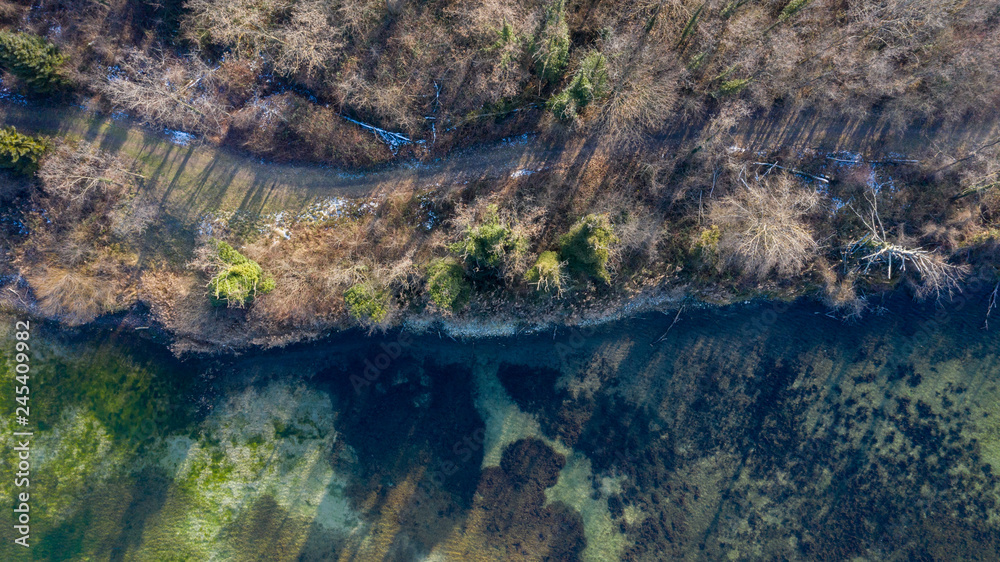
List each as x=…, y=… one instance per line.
x=168, y=91
x=297, y=37
x=763, y=226
x=79, y=262
x=245, y=26
x=645, y=88
x=875, y=250
x=308, y=41
x=73, y=172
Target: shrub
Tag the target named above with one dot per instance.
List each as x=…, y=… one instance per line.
x=35, y=61
x=446, y=284
x=734, y=86
x=791, y=9
x=491, y=244
x=547, y=273
x=20, y=153
x=587, y=246
x=763, y=227
x=552, y=46
x=709, y=238
x=589, y=83
x=365, y=302
x=239, y=279
x=646, y=83
x=507, y=45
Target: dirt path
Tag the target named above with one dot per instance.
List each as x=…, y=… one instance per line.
x=196, y=178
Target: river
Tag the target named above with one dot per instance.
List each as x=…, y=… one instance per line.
x=749, y=432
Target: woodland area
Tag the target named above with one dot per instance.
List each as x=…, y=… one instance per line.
x=279, y=77
x=358, y=83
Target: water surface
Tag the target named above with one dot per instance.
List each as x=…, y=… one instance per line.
x=758, y=431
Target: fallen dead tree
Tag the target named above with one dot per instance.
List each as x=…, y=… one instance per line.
x=874, y=250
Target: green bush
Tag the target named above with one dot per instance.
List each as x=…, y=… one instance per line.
x=364, y=302
x=239, y=279
x=587, y=246
x=20, y=153
x=446, y=284
x=551, y=52
x=490, y=244
x=709, y=238
x=730, y=87
x=791, y=9
x=589, y=83
x=507, y=45
x=546, y=275
x=35, y=61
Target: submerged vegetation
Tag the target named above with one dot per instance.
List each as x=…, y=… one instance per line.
x=512, y=447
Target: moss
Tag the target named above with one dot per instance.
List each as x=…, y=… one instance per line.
x=239, y=280
x=364, y=302
x=546, y=274
x=587, y=246
x=589, y=83
x=20, y=153
x=446, y=284
x=490, y=244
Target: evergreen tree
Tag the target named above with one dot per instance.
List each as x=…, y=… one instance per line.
x=552, y=46
x=588, y=84
x=33, y=60
x=20, y=152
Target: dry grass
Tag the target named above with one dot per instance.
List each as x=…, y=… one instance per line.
x=80, y=257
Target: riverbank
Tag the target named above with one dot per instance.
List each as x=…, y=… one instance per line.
x=671, y=234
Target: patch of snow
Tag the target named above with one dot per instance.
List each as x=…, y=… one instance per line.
x=179, y=138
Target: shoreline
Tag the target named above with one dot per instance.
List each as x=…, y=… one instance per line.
x=145, y=325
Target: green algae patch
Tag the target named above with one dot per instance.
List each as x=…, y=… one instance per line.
x=132, y=399
x=239, y=472
x=604, y=539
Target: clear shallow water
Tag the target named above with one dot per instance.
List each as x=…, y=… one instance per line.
x=752, y=432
